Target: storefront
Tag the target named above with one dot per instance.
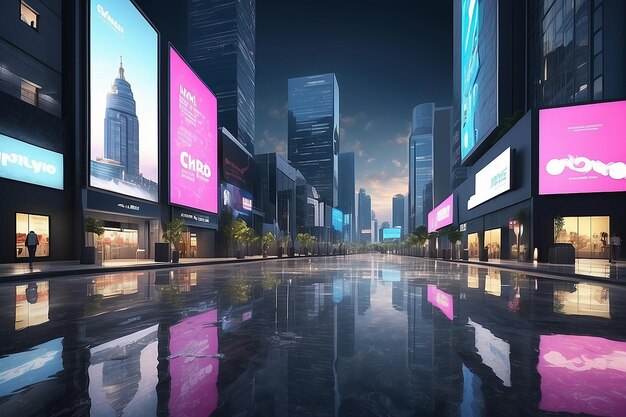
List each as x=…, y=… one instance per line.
x=198, y=239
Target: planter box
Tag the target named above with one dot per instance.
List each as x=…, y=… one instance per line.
x=161, y=252
x=562, y=253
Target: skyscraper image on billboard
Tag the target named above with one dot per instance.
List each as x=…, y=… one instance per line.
x=124, y=117
x=193, y=139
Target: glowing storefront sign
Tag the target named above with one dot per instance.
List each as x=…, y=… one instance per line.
x=193, y=139
x=493, y=180
x=20, y=161
x=442, y=215
x=582, y=149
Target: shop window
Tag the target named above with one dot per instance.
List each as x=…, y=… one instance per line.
x=473, y=245
x=588, y=235
x=24, y=223
x=492, y=243
x=29, y=93
x=29, y=16
x=118, y=243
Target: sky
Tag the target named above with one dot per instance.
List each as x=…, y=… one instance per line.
x=388, y=57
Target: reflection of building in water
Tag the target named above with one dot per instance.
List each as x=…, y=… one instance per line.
x=31, y=304
x=420, y=347
x=115, y=284
x=398, y=295
x=582, y=300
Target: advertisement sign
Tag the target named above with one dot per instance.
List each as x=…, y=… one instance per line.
x=582, y=374
x=239, y=201
x=582, y=149
x=392, y=233
x=494, y=352
x=237, y=164
x=194, y=366
x=442, y=300
x=20, y=161
x=492, y=180
x=337, y=220
x=124, y=100
x=442, y=215
x=479, y=98
x=193, y=139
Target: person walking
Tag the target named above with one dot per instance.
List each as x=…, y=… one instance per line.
x=31, y=243
x=615, y=245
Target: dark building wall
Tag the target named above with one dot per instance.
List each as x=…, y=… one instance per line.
x=442, y=133
x=347, y=190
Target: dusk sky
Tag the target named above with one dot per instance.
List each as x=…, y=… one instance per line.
x=387, y=56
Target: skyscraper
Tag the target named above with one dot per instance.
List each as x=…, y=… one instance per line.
x=420, y=162
x=365, y=216
x=121, y=127
x=442, y=133
x=346, y=191
x=313, y=132
x=397, y=204
x=221, y=47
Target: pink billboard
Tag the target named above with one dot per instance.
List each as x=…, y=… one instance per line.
x=194, y=366
x=442, y=300
x=582, y=374
x=442, y=215
x=193, y=139
x=582, y=149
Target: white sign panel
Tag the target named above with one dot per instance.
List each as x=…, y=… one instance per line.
x=492, y=180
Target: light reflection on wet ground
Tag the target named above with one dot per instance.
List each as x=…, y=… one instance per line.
x=370, y=335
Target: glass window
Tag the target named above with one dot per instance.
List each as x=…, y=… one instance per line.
x=24, y=223
x=597, y=19
x=118, y=243
x=597, y=65
x=29, y=16
x=492, y=243
x=31, y=304
x=588, y=235
x=472, y=245
x=597, y=42
x=598, y=94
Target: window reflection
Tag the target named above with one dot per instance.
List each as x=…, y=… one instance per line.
x=584, y=300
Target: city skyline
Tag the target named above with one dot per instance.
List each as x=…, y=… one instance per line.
x=380, y=71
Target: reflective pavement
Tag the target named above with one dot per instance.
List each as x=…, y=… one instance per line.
x=369, y=335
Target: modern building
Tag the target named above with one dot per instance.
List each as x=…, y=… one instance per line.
x=313, y=132
x=347, y=193
x=374, y=228
x=221, y=46
x=398, y=214
x=364, y=218
x=420, y=162
x=442, y=136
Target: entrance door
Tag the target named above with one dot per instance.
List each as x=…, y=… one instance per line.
x=118, y=243
x=188, y=244
x=493, y=243
x=473, y=245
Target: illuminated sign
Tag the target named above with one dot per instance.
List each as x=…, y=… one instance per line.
x=239, y=201
x=442, y=300
x=366, y=231
x=582, y=374
x=582, y=149
x=479, y=101
x=124, y=100
x=392, y=233
x=193, y=139
x=442, y=215
x=337, y=220
x=20, y=161
x=492, y=180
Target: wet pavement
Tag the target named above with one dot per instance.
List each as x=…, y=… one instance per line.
x=370, y=335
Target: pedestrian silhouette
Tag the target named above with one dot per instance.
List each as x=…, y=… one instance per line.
x=31, y=243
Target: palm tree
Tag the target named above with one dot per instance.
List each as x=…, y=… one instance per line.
x=267, y=240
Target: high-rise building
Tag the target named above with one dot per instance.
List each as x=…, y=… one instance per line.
x=313, y=132
x=442, y=133
x=398, y=215
x=347, y=192
x=364, y=217
x=420, y=162
x=221, y=47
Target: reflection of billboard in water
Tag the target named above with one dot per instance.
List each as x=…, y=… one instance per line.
x=124, y=118
x=193, y=369
x=442, y=300
x=582, y=374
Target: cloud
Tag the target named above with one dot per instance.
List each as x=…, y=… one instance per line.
x=371, y=160
x=397, y=163
x=403, y=138
x=270, y=143
x=278, y=113
x=368, y=126
x=382, y=189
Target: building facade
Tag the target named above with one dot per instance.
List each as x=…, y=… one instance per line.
x=313, y=132
x=364, y=219
x=398, y=213
x=347, y=193
x=420, y=162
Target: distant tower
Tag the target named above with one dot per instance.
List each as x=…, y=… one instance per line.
x=121, y=126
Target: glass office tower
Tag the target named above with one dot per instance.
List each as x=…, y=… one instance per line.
x=313, y=132
x=365, y=217
x=397, y=204
x=420, y=163
x=221, y=47
x=347, y=192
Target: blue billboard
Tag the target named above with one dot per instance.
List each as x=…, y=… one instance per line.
x=479, y=95
x=239, y=201
x=392, y=233
x=20, y=161
x=337, y=220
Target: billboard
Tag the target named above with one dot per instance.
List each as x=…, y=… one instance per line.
x=237, y=164
x=582, y=149
x=337, y=220
x=193, y=139
x=442, y=215
x=123, y=100
x=392, y=233
x=194, y=366
x=582, y=374
x=442, y=300
x=479, y=67
x=20, y=161
x=493, y=180
x=239, y=201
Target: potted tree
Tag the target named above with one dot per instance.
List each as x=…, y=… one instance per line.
x=266, y=241
x=93, y=228
x=240, y=234
x=173, y=232
x=454, y=236
x=284, y=242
